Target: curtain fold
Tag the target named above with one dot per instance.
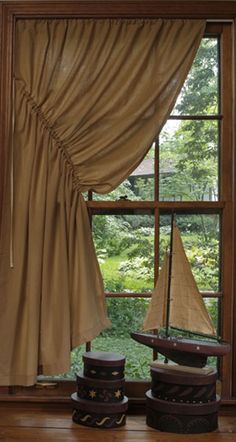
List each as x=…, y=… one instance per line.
x=90, y=97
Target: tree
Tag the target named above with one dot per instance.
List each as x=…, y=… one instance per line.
x=190, y=147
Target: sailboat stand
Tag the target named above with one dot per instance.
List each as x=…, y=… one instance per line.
x=182, y=398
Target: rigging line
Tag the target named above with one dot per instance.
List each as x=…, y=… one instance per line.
x=204, y=335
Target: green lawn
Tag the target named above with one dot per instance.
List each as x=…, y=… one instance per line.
x=116, y=281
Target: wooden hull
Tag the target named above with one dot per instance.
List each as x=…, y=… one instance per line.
x=192, y=353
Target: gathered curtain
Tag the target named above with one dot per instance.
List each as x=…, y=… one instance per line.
x=89, y=97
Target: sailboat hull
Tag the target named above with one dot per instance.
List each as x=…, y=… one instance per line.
x=192, y=353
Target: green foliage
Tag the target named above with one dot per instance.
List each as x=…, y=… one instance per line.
x=212, y=307
x=144, y=188
x=125, y=251
x=199, y=94
x=139, y=268
x=126, y=314
x=139, y=264
x=205, y=263
x=194, y=167
x=116, y=280
x=112, y=231
x=137, y=356
x=189, y=149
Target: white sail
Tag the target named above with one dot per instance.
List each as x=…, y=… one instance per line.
x=187, y=308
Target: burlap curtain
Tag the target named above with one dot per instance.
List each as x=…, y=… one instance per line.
x=90, y=96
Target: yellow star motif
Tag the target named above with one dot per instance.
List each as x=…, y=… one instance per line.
x=92, y=394
x=118, y=394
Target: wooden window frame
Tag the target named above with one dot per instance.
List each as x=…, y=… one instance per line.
x=10, y=11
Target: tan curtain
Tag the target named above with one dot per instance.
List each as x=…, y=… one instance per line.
x=90, y=96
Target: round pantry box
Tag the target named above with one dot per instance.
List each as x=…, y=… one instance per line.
x=104, y=365
x=183, y=387
x=100, y=390
x=97, y=414
x=177, y=417
x=100, y=401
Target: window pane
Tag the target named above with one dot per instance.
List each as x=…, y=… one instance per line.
x=125, y=249
x=189, y=161
x=199, y=94
x=212, y=305
x=126, y=315
x=201, y=238
x=138, y=186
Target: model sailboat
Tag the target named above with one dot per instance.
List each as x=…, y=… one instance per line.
x=177, y=303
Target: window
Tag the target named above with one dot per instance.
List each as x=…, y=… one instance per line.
x=182, y=173
x=188, y=169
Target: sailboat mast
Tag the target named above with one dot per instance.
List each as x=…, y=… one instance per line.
x=169, y=276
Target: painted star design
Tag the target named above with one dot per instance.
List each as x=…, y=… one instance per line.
x=118, y=394
x=92, y=394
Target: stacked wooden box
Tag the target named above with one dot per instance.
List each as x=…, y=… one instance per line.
x=100, y=401
x=182, y=401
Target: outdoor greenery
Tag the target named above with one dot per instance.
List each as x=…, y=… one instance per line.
x=188, y=163
x=192, y=145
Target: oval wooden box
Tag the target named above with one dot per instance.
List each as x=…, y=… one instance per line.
x=183, y=387
x=99, y=415
x=181, y=418
x=104, y=365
